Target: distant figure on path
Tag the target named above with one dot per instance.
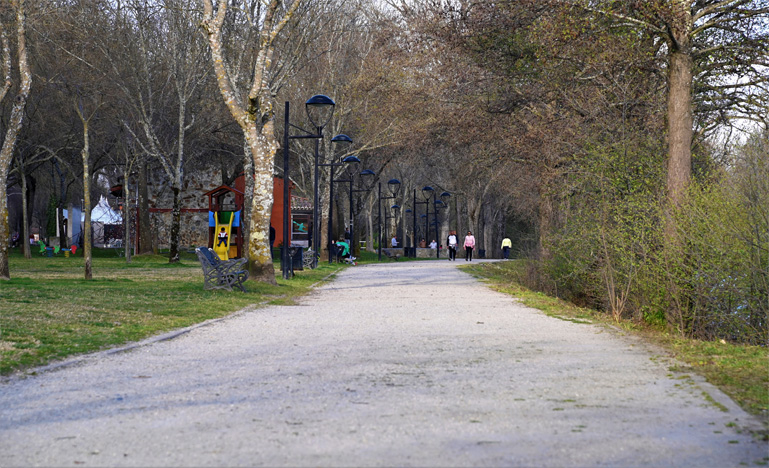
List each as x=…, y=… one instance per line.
x=433, y=244
x=469, y=244
x=506, y=244
x=452, y=242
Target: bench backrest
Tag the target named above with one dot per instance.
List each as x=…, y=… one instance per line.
x=206, y=253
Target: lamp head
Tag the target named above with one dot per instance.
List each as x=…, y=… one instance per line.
x=445, y=197
x=427, y=192
x=342, y=139
x=394, y=185
x=319, y=109
x=352, y=164
x=367, y=177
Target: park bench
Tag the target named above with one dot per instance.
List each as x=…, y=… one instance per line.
x=221, y=274
x=394, y=254
x=338, y=253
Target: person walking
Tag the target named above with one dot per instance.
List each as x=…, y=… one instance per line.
x=506, y=244
x=469, y=244
x=452, y=242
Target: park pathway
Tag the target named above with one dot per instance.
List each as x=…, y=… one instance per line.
x=398, y=364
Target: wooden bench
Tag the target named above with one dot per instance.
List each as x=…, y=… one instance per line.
x=221, y=274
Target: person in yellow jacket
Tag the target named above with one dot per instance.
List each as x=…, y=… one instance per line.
x=506, y=244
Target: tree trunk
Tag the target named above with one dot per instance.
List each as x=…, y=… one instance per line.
x=86, y=202
x=680, y=134
x=126, y=214
x=248, y=196
x=14, y=127
x=176, y=222
x=325, y=193
x=263, y=146
x=25, y=217
x=545, y=214
x=143, y=224
x=370, y=226
x=680, y=128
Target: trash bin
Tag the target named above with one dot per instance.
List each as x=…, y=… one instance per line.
x=296, y=258
x=481, y=253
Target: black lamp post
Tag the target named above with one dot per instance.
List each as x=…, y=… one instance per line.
x=408, y=212
x=352, y=163
x=395, y=209
x=319, y=110
x=367, y=176
x=416, y=204
x=428, y=192
x=394, y=186
x=339, y=140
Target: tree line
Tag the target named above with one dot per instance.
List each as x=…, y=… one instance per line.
x=623, y=145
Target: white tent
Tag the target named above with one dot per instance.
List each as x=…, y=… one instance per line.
x=103, y=215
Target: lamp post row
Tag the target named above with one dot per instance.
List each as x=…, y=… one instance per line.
x=319, y=110
x=394, y=186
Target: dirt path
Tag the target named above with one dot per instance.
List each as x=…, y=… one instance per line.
x=408, y=364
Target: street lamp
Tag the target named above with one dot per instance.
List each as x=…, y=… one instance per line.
x=367, y=183
x=406, y=213
x=319, y=110
x=395, y=209
x=394, y=186
x=428, y=192
x=352, y=164
x=341, y=140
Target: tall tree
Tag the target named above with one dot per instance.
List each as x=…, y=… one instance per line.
x=716, y=65
x=15, y=123
x=251, y=102
x=168, y=28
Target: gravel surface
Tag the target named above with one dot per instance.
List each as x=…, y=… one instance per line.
x=398, y=364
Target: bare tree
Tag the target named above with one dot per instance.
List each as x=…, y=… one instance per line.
x=169, y=51
x=15, y=123
x=252, y=104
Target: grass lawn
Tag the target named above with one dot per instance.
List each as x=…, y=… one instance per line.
x=740, y=371
x=49, y=312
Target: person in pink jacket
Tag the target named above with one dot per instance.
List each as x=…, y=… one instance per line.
x=469, y=245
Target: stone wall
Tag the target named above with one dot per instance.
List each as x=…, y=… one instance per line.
x=194, y=225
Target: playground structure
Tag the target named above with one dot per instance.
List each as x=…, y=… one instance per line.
x=225, y=205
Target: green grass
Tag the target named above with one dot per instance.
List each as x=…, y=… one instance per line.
x=740, y=371
x=49, y=312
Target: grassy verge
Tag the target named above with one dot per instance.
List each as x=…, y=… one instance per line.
x=48, y=312
x=742, y=372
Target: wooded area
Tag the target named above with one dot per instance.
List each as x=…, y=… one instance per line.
x=622, y=145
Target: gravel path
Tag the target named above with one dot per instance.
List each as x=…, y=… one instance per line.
x=399, y=364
